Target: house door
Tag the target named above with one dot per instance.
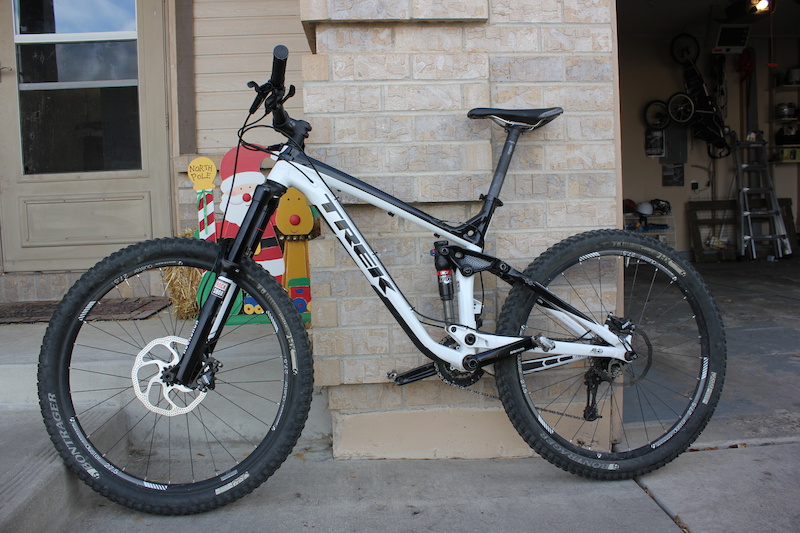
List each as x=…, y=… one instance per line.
x=83, y=130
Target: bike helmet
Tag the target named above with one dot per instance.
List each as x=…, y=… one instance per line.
x=644, y=208
x=661, y=206
x=628, y=206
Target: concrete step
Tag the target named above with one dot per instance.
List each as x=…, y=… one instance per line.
x=37, y=493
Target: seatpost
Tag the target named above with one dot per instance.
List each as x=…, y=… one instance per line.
x=475, y=228
x=504, y=162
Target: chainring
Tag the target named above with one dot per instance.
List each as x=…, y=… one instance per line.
x=456, y=377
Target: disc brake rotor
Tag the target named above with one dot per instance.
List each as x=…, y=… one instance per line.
x=151, y=390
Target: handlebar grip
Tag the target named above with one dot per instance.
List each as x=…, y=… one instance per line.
x=279, y=57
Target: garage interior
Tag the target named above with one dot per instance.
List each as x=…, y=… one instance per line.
x=748, y=63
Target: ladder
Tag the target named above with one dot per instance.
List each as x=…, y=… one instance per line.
x=760, y=218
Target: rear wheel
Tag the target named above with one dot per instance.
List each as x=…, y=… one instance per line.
x=599, y=417
x=171, y=449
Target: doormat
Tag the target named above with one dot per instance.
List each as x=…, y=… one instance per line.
x=111, y=309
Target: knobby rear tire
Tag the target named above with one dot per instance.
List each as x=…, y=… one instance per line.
x=148, y=454
x=658, y=404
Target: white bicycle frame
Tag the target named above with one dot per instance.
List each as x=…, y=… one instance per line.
x=318, y=181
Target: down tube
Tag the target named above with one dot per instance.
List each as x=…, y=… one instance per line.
x=320, y=195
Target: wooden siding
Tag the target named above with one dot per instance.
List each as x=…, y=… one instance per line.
x=233, y=45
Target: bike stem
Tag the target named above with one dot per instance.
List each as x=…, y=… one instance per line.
x=217, y=306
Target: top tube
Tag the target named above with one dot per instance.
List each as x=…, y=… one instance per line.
x=467, y=231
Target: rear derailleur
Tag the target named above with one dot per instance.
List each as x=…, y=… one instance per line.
x=605, y=368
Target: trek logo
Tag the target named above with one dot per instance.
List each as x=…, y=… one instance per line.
x=358, y=247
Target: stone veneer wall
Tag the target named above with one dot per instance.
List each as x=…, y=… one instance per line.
x=387, y=92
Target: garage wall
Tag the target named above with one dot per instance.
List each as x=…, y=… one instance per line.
x=647, y=72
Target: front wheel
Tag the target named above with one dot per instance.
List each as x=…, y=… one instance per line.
x=599, y=417
x=164, y=448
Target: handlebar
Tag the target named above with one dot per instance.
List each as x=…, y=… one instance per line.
x=279, y=57
x=273, y=92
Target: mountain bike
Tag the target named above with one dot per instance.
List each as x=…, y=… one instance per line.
x=608, y=354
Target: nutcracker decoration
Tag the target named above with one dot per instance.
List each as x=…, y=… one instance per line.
x=295, y=222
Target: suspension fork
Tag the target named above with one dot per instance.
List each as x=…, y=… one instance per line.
x=217, y=306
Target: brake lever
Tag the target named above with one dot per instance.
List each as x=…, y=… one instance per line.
x=262, y=91
x=289, y=94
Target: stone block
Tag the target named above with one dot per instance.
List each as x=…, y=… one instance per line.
x=358, y=10
x=326, y=372
x=531, y=69
x=446, y=433
x=423, y=97
x=371, y=67
x=588, y=11
x=355, y=159
x=434, y=393
x=321, y=252
x=579, y=214
x=590, y=127
x=396, y=250
x=365, y=396
x=581, y=157
x=315, y=67
x=592, y=185
x=358, y=370
x=354, y=39
x=341, y=282
x=519, y=216
x=425, y=158
x=325, y=312
x=592, y=69
x=428, y=38
x=450, y=66
x=453, y=127
x=386, y=129
x=476, y=95
x=516, y=96
x=505, y=11
x=501, y=38
x=362, y=99
x=363, y=312
x=577, y=39
x=361, y=341
x=452, y=187
x=580, y=97
x=522, y=246
x=314, y=10
x=323, y=99
x=450, y=10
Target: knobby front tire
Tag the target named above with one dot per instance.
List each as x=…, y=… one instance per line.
x=172, y=450
x=650, y=410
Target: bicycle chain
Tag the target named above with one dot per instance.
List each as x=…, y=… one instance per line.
x=493, y=397
x=456, y=385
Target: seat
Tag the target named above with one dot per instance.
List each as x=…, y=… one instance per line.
x=530, y=117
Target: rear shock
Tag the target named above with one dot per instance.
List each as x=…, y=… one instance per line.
x=444, y=273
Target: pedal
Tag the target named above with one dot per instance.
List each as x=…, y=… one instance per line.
x=415, y=374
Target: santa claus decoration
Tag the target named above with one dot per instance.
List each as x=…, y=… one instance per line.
x=239, y=176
